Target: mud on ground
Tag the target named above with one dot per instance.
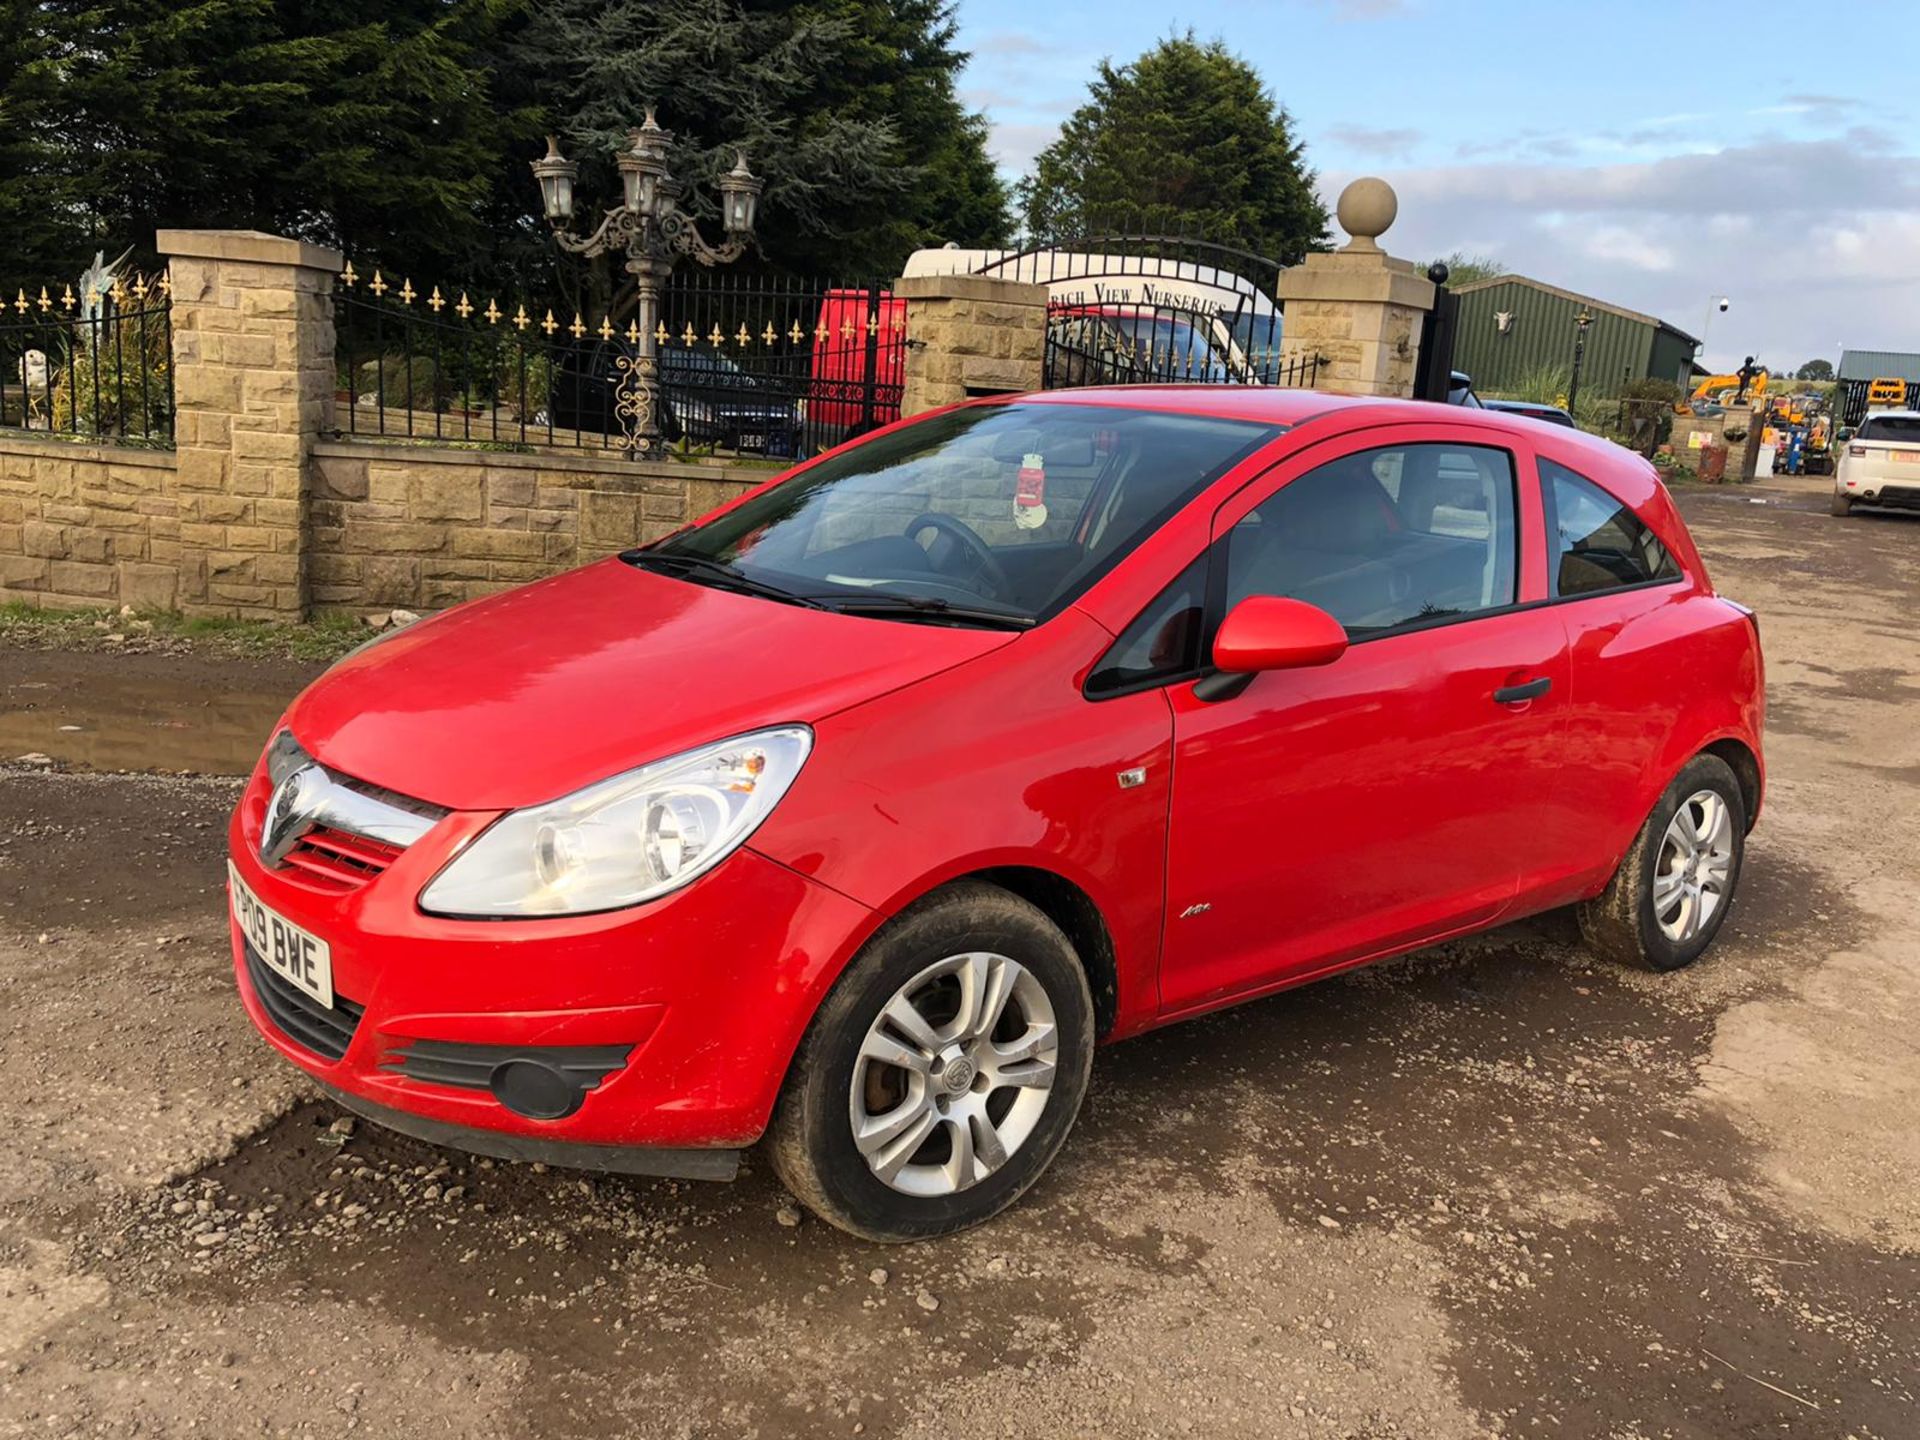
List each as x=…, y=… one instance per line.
x=1493, y=1188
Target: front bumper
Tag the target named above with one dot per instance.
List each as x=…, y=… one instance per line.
x=690, y=1006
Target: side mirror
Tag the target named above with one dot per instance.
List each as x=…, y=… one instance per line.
x=1268, y=632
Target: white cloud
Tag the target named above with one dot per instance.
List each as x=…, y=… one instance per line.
x=1806, y=265
x=1013, y=147
x=1388, y=144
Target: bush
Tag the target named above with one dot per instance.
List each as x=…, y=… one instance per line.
x=116, y=378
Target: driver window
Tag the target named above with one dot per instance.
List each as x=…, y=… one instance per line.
x=1386, y=539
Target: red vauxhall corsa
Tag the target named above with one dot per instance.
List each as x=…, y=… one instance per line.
x=854, y=816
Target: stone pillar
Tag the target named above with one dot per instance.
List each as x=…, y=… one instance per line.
x=970, y=335
x=253, y=387
x=1359, y=307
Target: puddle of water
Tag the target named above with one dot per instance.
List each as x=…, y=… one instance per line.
x=128, y=720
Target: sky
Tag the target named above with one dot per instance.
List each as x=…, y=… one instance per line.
x=1642, y=152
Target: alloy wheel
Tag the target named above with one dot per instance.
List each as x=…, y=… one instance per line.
x=954, y=1074
x=1693, y=876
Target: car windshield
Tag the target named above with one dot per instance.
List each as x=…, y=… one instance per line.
x=986, y=511
x=1891, y=427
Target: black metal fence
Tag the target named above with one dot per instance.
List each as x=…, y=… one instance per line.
x=92, y=365
x=748, y=365
x=1852, y=398
x=1136, y=344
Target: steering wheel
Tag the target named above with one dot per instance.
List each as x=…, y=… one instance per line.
x=984, y=565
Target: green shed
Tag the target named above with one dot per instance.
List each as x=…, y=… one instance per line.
x=1510, y=329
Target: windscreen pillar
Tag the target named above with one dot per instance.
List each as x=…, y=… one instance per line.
x=253, y=379
x=1358, y=307
x=970, y=335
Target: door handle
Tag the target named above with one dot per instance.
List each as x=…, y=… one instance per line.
x=1516, y=694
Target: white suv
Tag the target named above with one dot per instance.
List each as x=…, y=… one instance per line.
x=1882, y=463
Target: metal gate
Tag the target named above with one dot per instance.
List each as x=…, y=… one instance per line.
x=1433, y=366
x=1140, y=308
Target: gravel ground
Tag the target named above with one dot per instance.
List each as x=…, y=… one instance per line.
x=1495, y=1188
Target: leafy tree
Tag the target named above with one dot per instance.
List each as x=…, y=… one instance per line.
x=1815, y=370
x=36, y=197
x=1186, y=135
x=367, y=124
x=1465, y=269
x=846, y=107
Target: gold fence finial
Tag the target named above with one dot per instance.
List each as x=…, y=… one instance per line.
x=46, y=301
x=492, y=313
x=520, y=317
x=349, y=275
x=605, y=332
x=407, y=292
x=378, y=284
x=549, y=324
x=435, y=301
x=21, y=303
x=66, y=297
x=578, y=327
x=465, y=307
x=716, y=338
x=660, y=333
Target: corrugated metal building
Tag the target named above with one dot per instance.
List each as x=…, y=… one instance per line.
x=1538, y=334
x=1880, y=365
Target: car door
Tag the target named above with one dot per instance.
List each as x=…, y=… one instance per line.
x=1323, y=815
x=1623, y=601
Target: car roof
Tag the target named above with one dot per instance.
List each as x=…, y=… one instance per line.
x=1273, y=405
x=1890, y=415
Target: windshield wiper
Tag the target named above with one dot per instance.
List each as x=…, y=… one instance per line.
x=924, y=607
x=717, y=574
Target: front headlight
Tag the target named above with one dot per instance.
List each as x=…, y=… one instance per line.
x=625, y=840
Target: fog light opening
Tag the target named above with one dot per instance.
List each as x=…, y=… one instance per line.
x=535, y=1090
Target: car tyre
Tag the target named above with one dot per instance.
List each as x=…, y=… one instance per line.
x=1842, y=502
x=1011, y=954
x=1676, y=885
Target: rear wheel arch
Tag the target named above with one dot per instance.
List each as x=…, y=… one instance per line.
x=1745, y=765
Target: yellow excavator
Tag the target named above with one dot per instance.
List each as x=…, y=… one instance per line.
x=1722, y=388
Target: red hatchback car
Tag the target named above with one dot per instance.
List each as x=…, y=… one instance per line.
x=855, y=815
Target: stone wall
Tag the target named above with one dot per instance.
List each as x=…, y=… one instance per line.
x=254, y=514
x=87, y=524
x=422, y=528
x=970, y=335
x=1363, y=311
x=253, y=385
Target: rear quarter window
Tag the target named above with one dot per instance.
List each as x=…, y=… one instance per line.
x=1598, y=543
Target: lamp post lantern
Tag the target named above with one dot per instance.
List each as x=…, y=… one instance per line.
x=1582, y=322
x=650, y=229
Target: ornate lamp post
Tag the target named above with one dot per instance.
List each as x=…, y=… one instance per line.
x=1583, y=321
x=651, y=230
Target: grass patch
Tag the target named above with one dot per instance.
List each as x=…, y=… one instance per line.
x=326, y=637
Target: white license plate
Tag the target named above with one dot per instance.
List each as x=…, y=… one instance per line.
x=1907, y=457
x=303, y=959
x=753, y=442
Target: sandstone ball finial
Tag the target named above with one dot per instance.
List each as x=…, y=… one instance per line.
x=1366, y=210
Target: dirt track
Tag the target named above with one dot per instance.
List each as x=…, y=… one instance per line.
x=1492, y=1188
